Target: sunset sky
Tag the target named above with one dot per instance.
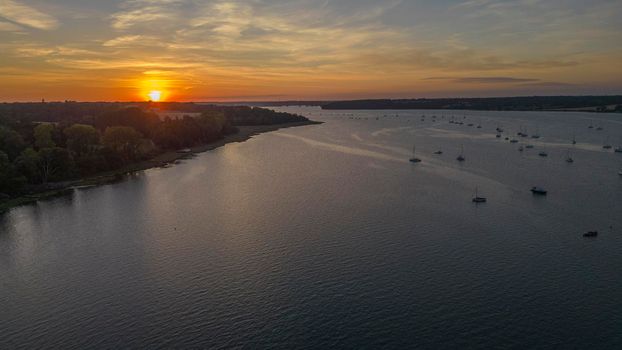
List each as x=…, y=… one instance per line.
x=195, y=50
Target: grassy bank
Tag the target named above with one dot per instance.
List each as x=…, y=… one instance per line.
x=161, y=160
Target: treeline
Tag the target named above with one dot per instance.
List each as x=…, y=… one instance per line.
x=530, y=103
x=35, y=152
x=80, y=112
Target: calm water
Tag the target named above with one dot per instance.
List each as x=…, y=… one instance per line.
x=326, y=236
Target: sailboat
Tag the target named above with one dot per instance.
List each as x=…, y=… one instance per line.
x=414, y=159
x=568, y=157
x=477, y=198
x=461, y=157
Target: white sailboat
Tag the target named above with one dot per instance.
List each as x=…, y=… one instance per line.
x=568, y=157
x=414, y=159
x=461, y=157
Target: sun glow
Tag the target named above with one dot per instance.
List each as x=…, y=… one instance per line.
x=155, y=95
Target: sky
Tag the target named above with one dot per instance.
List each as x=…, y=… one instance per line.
x=254, y=50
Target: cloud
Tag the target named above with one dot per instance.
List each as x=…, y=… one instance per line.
x=10, y=27
x=137, y=12
x=26, y=15
x=133, y=41
x=310, y=47
x=485, y=80
x=502, y=80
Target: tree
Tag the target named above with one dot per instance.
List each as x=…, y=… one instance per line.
x=54, y=164
x=28, y=165
x=11, y=143
x=10, y=180
x=134, y=117
x=82, y=139
x=44, y=135
x=124, y=140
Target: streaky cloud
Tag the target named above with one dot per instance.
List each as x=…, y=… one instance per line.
x=26, y=15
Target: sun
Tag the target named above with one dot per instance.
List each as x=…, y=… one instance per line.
x=155, y=95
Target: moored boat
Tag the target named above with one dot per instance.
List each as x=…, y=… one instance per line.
x=539, y=191
x=414, y=159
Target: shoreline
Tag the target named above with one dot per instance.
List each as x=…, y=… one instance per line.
x=162, y=160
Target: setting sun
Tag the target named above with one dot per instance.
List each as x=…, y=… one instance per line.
x=155, y=95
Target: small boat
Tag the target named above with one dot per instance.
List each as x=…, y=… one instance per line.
x=569, y=158
x=543, y=154
x=438, y=152
x=606, y=144
x=513, y=141
x=599, y=128
x=591, y=234
x=414, y=159
x=529, y=146
x=498, y=136
x=520, y=149
x=618, y=149
x=461, y=157
x=539, y=191
x=478, y=199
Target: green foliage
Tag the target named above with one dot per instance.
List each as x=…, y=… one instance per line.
x=124, y=140
x=43, y=134
x=11, y=143
x=81, y=139
x=28, y=164
x=41, y=143
x=55, y=164
x=134, y=117
x=11, y=181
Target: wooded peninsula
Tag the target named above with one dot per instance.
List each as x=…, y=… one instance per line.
x=46, y=147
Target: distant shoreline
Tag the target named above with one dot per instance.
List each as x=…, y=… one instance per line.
x=599, y=104
x=162, y=160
